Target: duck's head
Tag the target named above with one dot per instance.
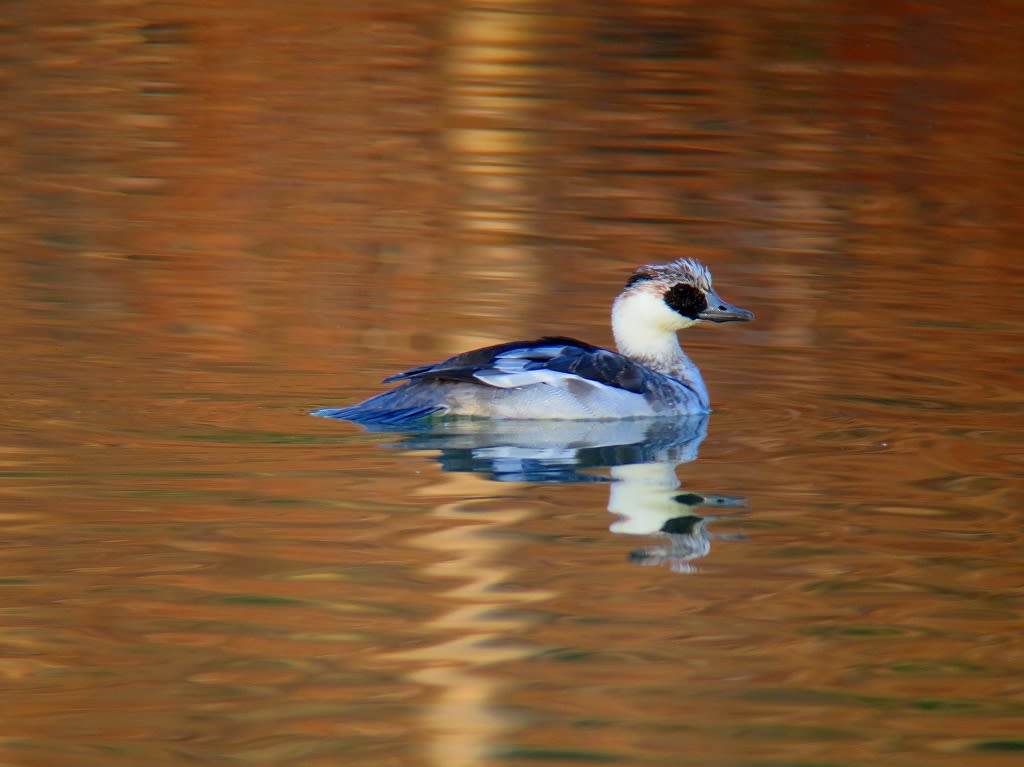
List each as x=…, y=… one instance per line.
x=674, y=296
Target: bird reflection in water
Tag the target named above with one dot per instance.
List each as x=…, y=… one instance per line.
x=642, y=456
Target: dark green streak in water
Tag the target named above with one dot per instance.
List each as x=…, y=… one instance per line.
x=546, y=754
x=258, y=599
x=1000, y=745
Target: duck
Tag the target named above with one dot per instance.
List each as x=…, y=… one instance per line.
x=561, y=378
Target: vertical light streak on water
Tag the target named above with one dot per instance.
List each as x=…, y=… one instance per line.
x=479, y=630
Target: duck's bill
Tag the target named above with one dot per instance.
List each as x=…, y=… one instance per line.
x=720, y=311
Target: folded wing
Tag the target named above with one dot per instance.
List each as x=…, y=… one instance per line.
x=552, y=360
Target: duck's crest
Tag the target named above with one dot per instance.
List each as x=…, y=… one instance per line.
x=686, y=270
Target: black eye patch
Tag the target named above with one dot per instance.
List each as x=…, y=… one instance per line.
x=638, y=277
x=686, y=300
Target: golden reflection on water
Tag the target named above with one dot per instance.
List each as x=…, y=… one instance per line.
x=218, y=218
x=464, y=723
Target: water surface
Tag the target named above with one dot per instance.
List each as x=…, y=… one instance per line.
x=216, y=219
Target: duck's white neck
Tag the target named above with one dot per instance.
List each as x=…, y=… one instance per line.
x=645, y=330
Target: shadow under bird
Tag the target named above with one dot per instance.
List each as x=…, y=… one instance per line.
x=562, y=378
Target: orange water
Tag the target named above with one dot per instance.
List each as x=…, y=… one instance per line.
x=217, y=217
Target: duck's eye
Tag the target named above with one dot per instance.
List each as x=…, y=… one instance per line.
x=686, y=300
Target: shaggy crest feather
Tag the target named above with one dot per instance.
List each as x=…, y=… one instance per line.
x=685, y=270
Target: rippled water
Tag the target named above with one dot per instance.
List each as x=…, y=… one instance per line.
x=216, y=219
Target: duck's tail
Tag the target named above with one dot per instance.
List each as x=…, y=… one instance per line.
x=402, y=405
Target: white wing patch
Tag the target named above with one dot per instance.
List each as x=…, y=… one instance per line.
x=531, y=351
x=514, y=376
x=510, y=369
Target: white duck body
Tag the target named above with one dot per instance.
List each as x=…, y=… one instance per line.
x=562, y=378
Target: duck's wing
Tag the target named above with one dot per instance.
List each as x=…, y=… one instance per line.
x=551, y=360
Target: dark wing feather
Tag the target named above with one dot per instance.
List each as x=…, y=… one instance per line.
x=557, y=353
x=602, y=366
x=455, y=368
